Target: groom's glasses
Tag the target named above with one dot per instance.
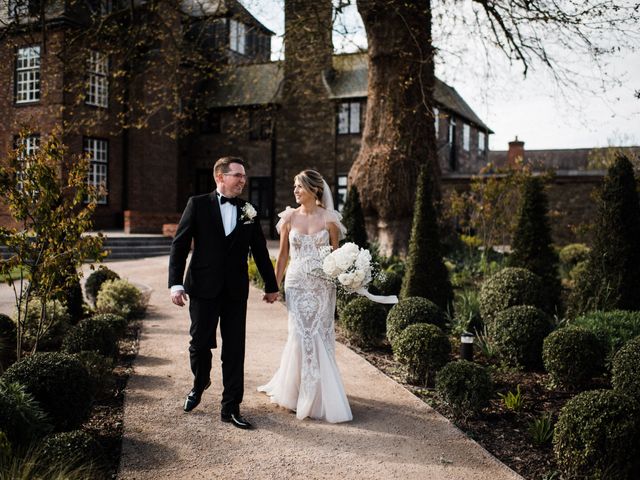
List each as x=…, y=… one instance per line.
x=237, y=175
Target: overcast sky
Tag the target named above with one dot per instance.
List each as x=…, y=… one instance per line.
x=535, y=109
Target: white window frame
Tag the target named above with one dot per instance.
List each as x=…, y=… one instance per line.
x=482, y=144
x=341, y=190
x=31, y=145
x=452, y=126
x=436, y=121
x=350, y=117
x=27, y=75
x=98, y=175
x=466, y=137
x=237, y=36
x=97, y=79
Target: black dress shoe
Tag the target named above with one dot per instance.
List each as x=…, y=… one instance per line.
x=236, y=420
x=193, y=399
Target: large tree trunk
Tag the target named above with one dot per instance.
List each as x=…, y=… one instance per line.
x=399, y=133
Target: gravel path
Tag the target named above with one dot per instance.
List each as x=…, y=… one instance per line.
x=393, y=434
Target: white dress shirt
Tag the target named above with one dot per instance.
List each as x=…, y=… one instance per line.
x=229, y=215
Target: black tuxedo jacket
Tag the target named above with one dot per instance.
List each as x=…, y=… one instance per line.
x=219, y=263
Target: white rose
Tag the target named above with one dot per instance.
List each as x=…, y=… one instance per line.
x=329, y=266
x=249, y=211
x=345, y=279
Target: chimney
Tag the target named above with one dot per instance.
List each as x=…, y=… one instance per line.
x=516, y=150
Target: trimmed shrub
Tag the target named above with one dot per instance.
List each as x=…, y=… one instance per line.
x=612, y=277
x=21, y=418
x=59, y=383
x=532, y=244
x=413, y=310
x=615, y=327
x=117, y=322
x=353, y=219
x=122, y=298
x=571, y=255
x=100, y=369
x=597, y=436
x=426, y=274
x=55, y=325
x=624, y=369
x=7, y=341
x=388, y=282
x=509, y=287
x=71, y=296
x=75, y=448
x=364, y=322
x=95, y=281
x=465, y=386
x=91, y=335
x=423, y=349
x=572, y=355
x=518, y=333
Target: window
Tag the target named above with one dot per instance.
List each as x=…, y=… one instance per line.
x=453, y=148
x=98, y=152
x=211, y=122
x=451, y=139
x=481, y=143
x=97, y=79
x=259, y=125
x=24, y=8
x=28, y=74
x=466, y=136
x=350, y=115
x=30, y=145
x=436, y=121
x=260, y=196
x=341, y=191
x=237, y=36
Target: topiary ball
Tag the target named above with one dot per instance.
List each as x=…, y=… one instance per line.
x=614, y=327
x=364, y=322
x=73, y=449
x=388, y=282
x=117, y=322
x=572, y=355
x=597, y=436
x=412, y=310
x=121, y=298
x=59, y=383
x=509, y=287
x=518, y=333
x=465, y=386
x=572, y=254
x=624, y=369
x=423, y=349
x=21, y=418
x=95, y=281
x=7, y=341
x=91, y=335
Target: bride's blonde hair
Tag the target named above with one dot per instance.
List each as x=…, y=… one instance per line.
x=312, y=182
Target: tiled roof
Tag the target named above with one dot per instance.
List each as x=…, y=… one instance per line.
x=258, y=84
x=222, y=8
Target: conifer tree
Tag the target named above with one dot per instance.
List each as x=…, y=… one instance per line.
x=612, y=275
x=426, y=274
x=532, y=244
x=353, y=219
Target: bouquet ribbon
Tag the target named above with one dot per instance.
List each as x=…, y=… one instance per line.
x=388, y=299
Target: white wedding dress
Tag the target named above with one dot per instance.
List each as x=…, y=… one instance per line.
x=308, y=381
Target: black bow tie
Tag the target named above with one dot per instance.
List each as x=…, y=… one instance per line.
x=232, y=201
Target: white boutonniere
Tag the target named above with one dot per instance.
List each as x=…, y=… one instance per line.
x=248, y=213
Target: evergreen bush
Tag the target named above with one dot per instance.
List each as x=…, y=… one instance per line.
x=353, y=219
x=74, y=449
x=624, y=369
x=426, y=274
x=7, y=341
x=21, y=417
x=59, y=383
x=465, y=386
x=507, y=288
x=571, y=255
x=5, y=449
x=389, y=282
x=92, y=334
x=423, y=349
x=614, y=328
x=95, y=281
x=612, y=277
x=518, y=333
x=55, y=324
x=413, y=310
x=532, y=247
x=572, y=355
x=364, y=322
x=71, y=295
x=100, y=370
x=597, y=436
x=117, y=322
x=121, y=298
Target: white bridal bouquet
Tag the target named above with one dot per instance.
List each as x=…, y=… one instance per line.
x=350, y=267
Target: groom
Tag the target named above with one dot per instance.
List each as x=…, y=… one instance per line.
x=223, y=229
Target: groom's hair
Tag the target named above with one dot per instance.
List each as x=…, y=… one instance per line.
x=222, y=165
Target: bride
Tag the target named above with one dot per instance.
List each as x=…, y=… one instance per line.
x=308, y=381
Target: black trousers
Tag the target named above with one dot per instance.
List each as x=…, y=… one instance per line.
x=232, y=314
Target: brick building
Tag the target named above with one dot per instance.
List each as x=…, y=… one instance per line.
x=265, y=111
